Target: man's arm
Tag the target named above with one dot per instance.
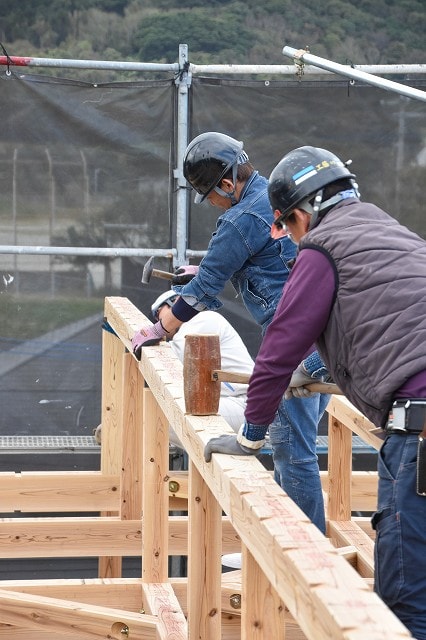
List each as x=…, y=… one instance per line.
x=216, y=268
x=166, y=327
x=228, y=250
x=300, y=318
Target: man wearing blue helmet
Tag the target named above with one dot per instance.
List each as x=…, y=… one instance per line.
x=364, y=275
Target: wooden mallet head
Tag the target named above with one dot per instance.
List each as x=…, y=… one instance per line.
x=201, y=356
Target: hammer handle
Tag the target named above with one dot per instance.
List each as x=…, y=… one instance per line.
x=244, y=378
x=166, y=275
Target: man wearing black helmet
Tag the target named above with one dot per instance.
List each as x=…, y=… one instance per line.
x=364, y=275
x=242, y=250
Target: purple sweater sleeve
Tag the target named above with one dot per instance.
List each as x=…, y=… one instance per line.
x=300, y=318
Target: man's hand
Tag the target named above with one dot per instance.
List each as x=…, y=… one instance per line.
x=297, y=388
x=227, y=444
x=184, y=274
x=147, y=337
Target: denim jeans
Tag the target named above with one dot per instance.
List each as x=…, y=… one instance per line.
x=293, y=437
x=400, y=524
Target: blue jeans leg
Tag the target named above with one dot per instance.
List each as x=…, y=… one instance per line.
x=400, y=524
x=293, y=436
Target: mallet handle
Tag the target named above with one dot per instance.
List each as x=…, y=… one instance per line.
x=244, y=378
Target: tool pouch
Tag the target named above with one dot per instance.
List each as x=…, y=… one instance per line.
x=421, y=466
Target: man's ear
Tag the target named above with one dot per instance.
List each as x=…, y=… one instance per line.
x=303, y=216
x=227, y=185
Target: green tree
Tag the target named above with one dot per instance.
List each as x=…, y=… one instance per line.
x=158, y=36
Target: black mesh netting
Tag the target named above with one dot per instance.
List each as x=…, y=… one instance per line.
x=92, y=165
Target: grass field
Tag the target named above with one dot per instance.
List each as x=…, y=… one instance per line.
x=26, y=317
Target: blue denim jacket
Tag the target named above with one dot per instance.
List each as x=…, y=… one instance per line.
x=241, y=250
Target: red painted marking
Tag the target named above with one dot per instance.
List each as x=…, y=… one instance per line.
x=17, y=61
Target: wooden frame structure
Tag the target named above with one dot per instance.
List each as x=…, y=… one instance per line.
x=295, y=583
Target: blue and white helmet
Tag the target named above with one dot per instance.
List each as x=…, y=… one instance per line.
x=168, y=297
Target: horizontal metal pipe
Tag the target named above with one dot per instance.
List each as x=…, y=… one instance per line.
x=199, y=69
x=24, y=61
x=86, y=251
x=288, y=69
x=301, y=56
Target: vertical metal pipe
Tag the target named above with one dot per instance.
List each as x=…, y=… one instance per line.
x=51, y=219
x=183, y=82
x=15, y=215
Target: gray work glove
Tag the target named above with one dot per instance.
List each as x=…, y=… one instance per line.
x=227, y=444
x=297, y=388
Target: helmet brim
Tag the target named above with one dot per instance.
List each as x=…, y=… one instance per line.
x=199, y=198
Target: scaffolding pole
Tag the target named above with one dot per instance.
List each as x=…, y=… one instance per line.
x=183, y=82
x=69, y=63
x=108, y=252
x=200, y=69
x=301, y=56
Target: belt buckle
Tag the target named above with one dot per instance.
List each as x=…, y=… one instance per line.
x=399, y=417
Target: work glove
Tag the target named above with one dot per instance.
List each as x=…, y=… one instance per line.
x=147, y=337
x=297, y=388
x=252, y=435
x=227, y=444
x=183, y=275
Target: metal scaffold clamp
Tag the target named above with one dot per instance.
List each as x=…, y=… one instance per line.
x=299, y=62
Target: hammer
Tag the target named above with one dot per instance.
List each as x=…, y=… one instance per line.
x=149, y=271
x=202, y=375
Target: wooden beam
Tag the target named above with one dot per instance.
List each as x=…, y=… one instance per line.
x=363, y=489
x=344, y=411
x=115, y=593
x=349, y=533
x=73, y=537
x=35, y=612
x=160, y=600
x=322, y=591
x=59, y=491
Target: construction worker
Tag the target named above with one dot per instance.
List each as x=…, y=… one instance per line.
x=364, y=275
x=242, y=250
x=234, y=354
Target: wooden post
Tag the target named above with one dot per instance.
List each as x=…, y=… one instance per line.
x=155, y=492
x=204, y=566
x=339, y=471
x=201, y=357
x=131, y=454
x=111, y=420
x=262, y=611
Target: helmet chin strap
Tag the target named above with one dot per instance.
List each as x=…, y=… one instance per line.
x=230, y=194
x=319, y=206
x=242, y=159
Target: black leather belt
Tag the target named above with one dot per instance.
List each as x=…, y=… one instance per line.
x=407, y=416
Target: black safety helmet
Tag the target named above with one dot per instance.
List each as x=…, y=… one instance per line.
x=208, y=158
x=301, y=173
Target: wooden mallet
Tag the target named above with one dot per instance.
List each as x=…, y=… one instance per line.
x=202, y=375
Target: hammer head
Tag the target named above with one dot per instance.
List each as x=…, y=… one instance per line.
x=147, y=270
